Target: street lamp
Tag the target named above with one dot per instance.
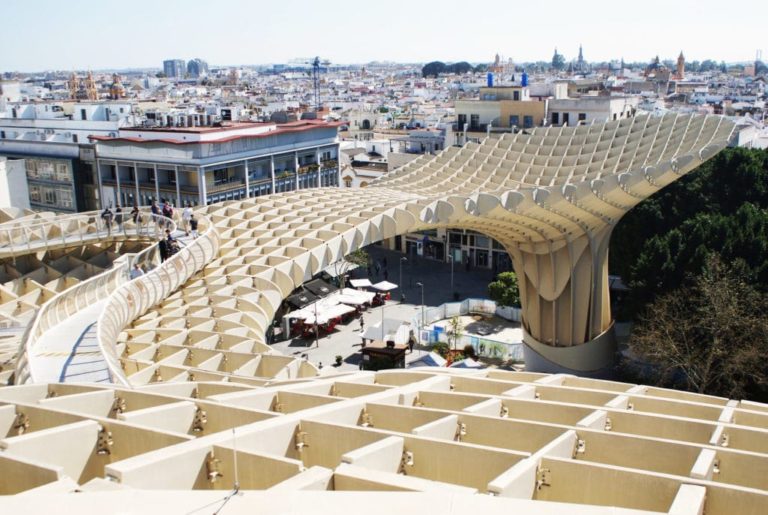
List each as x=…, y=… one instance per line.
x=383, y=305
x=421, y=285
x=402, y=294
x=317, y=342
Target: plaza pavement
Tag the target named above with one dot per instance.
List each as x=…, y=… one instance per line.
x=436, y=277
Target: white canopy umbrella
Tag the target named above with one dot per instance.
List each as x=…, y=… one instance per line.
x=355, y=297
x=328, y=313
x=360, y=283
x=351, y=300
x=385, y=286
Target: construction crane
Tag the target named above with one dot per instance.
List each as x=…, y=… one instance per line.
x=316, y=64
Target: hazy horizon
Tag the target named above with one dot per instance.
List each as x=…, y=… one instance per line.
x=97, y=36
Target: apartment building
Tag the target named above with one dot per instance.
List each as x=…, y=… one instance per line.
x=191, y=162
x=52, y=139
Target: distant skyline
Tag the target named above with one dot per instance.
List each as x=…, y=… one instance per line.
x=86, y=34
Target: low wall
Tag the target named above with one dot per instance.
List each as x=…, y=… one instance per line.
x=484, y=346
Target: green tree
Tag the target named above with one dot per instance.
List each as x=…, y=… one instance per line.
x=504, y=290
x=460, y=68
x=456, y=329
x=558, y=61
x=358, y=257
x=709, y=336
x=721, y=207
x=433, y=69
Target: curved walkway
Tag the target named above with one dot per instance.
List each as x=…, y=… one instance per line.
x=68, y=352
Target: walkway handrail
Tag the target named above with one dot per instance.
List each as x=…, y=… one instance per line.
x=18, y=237
x=134, y=298
x=70, y=301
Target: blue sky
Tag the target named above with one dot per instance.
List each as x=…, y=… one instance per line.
x=82, y=34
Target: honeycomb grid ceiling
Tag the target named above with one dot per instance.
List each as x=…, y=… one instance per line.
x=541, y=438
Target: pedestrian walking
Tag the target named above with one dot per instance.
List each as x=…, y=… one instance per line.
x=186, y=216
x=164, y=248
x=155, y=211
x=106, y=217
x=136, y=271
x=168, y=210
x=362, y=323
x=193, y=226
x=119, y=218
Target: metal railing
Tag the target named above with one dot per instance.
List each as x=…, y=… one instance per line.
x=18, y=238
x=72, y=300
x=134, y=298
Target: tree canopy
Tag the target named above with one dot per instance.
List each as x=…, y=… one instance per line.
x=558, y=61
x=709, y=336
x=720, y=208
x=435, y=68
x=504, y=290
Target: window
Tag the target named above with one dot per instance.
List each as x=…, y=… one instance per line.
x=462, y=121
x=527, y=122
x=514, y=120
x=220, y=176
x=34, y=193
x=614, y=116
x=515, y=95
x=46, y=169
x=555, y=118
x=64, y=197
x=31, y=168
x=566, y=118
x=49, y=196
x=474, y=122
x=348, y=182
x=83, y=114
x=482, y=241
x=62, y=172
x=172, y=178
x=583, y=117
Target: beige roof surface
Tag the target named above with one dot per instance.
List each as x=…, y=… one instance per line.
x=201, y=403
x=528, y=437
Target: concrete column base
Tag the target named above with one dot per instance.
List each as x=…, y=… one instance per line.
x=594, y=358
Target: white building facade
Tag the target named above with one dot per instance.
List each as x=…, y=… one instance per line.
x=201, y=165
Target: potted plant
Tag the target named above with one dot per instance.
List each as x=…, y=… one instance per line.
x=339, y=359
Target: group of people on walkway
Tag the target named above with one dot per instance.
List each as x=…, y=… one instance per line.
x=159, y=214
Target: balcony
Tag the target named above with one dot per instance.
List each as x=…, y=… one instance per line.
x=331, y=163
x=217, y=187
x=308, y=168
